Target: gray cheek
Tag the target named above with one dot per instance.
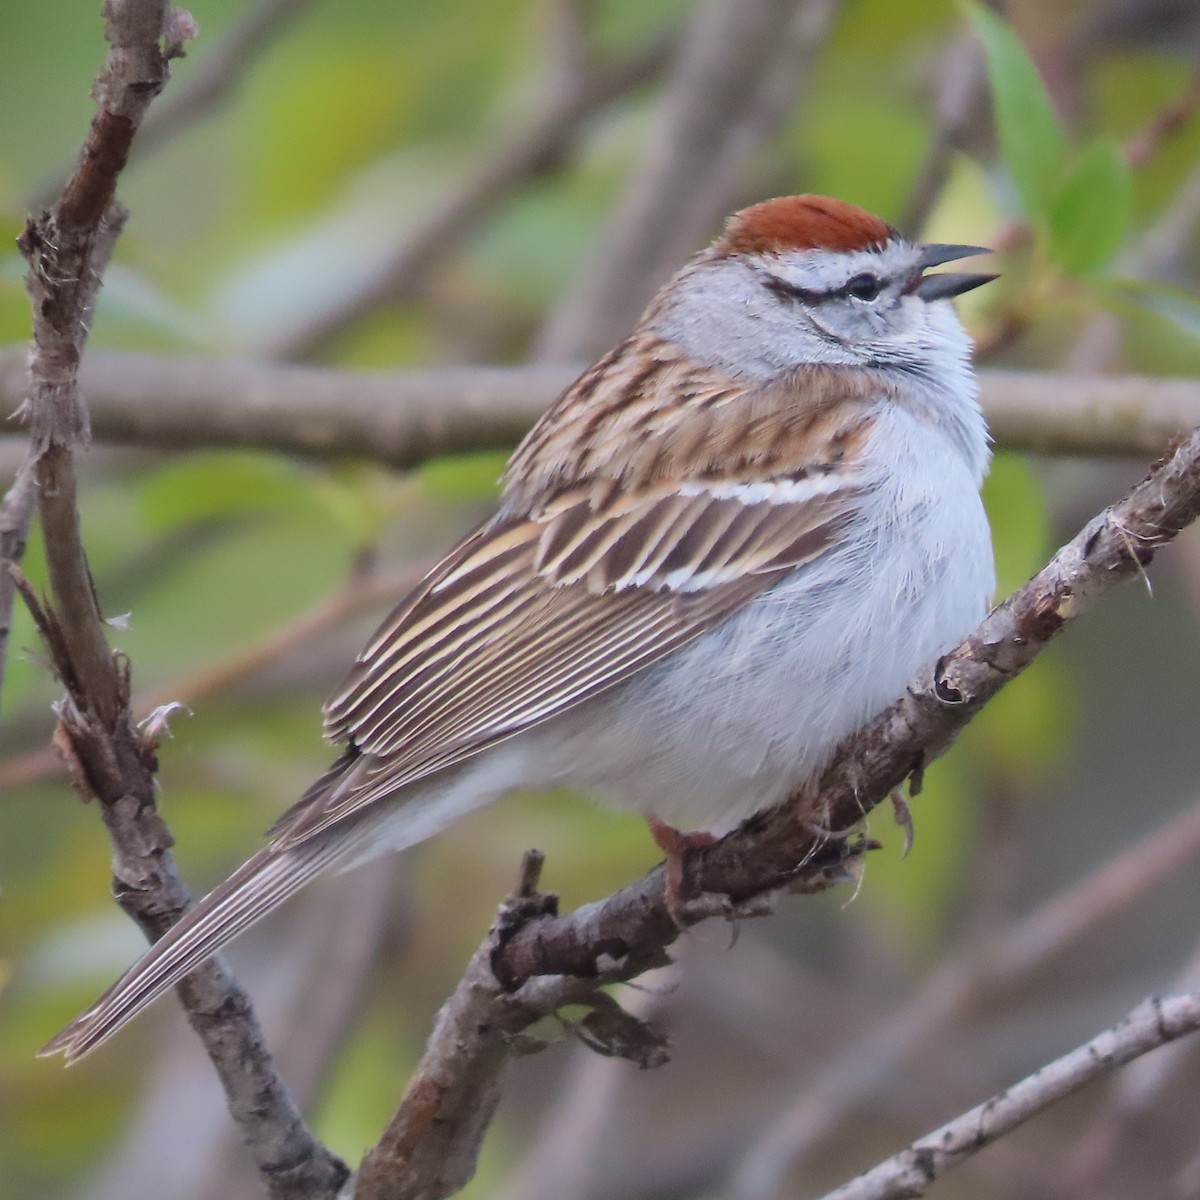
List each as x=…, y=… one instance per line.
x=855, y=327
x=724, y=317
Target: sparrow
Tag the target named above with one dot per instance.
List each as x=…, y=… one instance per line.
x=722, y=550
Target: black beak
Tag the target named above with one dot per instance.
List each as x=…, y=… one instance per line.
x=934, y=255
x=944, y=286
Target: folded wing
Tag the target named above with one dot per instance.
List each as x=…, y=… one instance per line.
x=531, y=616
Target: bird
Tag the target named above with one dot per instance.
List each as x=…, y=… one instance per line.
x=725, y=547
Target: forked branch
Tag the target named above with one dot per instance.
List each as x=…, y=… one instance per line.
x=110, y=757
x=548, y=961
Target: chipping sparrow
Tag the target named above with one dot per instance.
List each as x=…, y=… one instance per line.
x=724, y=548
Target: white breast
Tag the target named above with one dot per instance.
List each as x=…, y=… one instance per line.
x=742, y=717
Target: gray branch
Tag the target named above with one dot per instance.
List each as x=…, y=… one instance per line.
x=831, y=1093
x=216, y=81
x=961, y=106
x=431, y=1145
x=111, y=758
x=534, y=962
x=1152, y=1024
x=404, y=417
x=1097, y=1152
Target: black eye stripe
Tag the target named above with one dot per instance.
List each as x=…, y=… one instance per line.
x=789, y=291
x=861, y=287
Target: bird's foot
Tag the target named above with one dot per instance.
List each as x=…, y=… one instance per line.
x=676, y=845
x=903, y=816
x=823, y=834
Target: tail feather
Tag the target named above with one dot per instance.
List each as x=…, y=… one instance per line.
x=253, y=890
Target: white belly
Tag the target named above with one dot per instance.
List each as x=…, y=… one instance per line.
x=739, y=719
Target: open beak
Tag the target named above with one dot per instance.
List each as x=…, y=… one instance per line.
x=948, y=284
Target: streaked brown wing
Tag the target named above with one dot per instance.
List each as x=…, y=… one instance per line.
x=529, y=617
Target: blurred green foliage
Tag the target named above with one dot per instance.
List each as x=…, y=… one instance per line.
x=352, y=127
x=1031, y=138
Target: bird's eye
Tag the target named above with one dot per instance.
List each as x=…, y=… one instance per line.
x=864, y=287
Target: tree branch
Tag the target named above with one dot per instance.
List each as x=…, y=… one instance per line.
x=431, y=1144
x=402, y=418
x=1152, y=1024
x=109, y=757
x=1096, y=1153
x=833, y=1091
x=217, y=78
x=763, y=855
x=520, y=974
x=961, y=105
x=533, y=961
x=192, y=687
x=309, y=980
x=1166, y=123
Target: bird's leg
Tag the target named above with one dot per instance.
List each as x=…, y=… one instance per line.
x=676, y=844
x=903, y=816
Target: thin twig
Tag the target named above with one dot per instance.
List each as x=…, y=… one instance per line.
x=356, y=597
x=571, y=45
x=832, y=1093
x=1152, y=1024
x=564, y=1159
x=213, y=83
x=961, y=93
x=67, y=249
x=1165, y=124
x=1133, y=1096
x=16, y=514
x=193, y=687
x=308, y=988
x=217, y=79
x=430, y=1146
x=723, y=177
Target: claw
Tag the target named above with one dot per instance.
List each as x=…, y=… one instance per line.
x=903, y=818
x=828, y=835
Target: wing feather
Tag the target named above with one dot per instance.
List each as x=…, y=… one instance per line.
x=581, y=582
x=531, y=616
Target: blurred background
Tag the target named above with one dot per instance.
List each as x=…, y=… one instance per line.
x=397, y=184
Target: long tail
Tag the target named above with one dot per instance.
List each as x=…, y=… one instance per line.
x=252, y=891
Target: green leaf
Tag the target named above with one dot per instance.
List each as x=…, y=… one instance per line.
x=1180, y=308
x=1031, y=138
x=1091, y=210
x=474, y=476
x=915, y=896
x=1017, y=513
x=1026, y=730
x=208, y=486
